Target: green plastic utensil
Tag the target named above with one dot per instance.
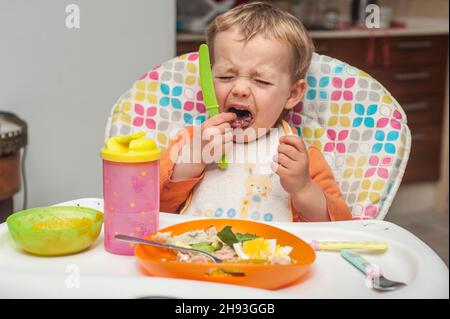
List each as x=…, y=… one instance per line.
x=209, y=95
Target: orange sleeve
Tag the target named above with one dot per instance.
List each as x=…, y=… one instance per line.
x=174, y=193
x=323, y=176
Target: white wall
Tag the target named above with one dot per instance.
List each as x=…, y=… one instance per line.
x=63, y=82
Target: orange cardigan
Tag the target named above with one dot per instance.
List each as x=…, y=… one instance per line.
x=174, y=193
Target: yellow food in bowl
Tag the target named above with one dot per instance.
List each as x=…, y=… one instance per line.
x=62, y=223
x=57, y=230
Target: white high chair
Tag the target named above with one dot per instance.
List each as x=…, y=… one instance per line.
x=348, y=115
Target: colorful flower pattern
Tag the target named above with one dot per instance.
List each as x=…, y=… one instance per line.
x=317, y=87
x=340, y=114
x=342, y=88
x=365, y=115
x=336, y=143
x=144, y=116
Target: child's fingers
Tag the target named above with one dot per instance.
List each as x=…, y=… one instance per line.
x=224, y=127
x=228, y=137
x=290, y=151
x=220, y=118
x=220, y=139
x=216, y=130
x=284, y=161
x=295, y=141
x=223, y=141
x=214, y=150
x=279, y=169
x=274, y=167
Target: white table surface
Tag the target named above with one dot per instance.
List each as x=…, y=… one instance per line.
x=104, y=275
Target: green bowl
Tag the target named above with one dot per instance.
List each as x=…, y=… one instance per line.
x=56, y=230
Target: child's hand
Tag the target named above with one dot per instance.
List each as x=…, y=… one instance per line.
x=217, y=137
x=213, y=136
x=292, y=164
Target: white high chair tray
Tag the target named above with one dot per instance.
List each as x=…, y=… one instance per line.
x=97, y=274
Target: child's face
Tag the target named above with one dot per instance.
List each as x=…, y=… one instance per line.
x=253, y=79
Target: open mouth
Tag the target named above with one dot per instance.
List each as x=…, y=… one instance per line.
x=244, y=117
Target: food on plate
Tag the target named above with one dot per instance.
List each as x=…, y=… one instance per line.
x=229, y=246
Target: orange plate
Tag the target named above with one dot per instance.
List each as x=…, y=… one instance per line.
x=162, y=262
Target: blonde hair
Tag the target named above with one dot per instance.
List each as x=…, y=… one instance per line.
x=269, y=21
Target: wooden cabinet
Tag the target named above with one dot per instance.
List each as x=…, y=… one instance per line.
x=413, y=69
x=412, y=50
x=418, y=81
x=404, y=81
x=424, y=161
x=351, y=50
x=186, y=46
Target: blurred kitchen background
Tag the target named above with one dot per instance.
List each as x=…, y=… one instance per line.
x=58, y=86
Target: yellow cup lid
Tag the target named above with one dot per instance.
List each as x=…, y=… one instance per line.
x=132, y=148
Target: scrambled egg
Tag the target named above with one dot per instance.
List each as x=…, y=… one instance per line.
x=262, y=249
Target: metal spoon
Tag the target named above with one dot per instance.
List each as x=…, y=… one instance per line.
x=135, y=240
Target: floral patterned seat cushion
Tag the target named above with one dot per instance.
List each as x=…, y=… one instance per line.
x=348, y=115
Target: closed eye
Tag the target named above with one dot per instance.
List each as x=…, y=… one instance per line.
x=263, y=82
x=224, y=78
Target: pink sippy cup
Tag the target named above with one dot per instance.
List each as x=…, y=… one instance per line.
x=130, y=190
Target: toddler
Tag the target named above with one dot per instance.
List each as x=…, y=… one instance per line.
x=260, y=55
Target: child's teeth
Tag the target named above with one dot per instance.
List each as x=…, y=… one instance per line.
x=243, y=119
x=240, y=123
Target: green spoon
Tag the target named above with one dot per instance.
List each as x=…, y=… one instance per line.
x=209, y=95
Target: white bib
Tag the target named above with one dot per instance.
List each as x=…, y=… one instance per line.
x=247, y=189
